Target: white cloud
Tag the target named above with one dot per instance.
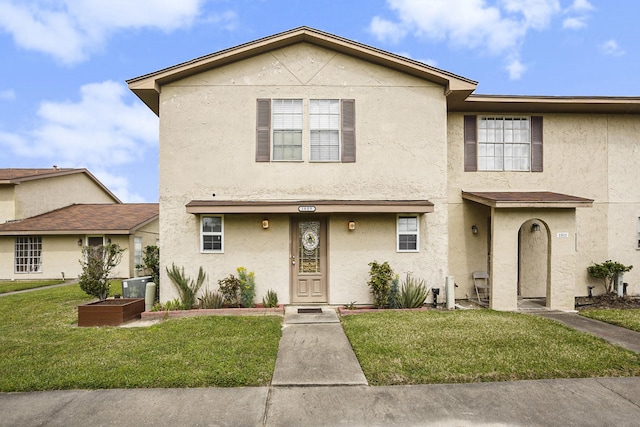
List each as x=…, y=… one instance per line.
x=101, y=131
x=611, y=48
x=496, y=28
x=578, y=15
x=7, y=95
x=70, y=30
x=516, y=69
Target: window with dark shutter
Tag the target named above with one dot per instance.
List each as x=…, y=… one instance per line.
x=263, y=130
x=536, y=144
x=348, y=131
x=470, y=144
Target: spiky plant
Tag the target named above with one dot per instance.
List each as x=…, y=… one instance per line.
x=187, y=287
x=413, y=293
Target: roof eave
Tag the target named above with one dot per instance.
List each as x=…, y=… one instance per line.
x=148, y=87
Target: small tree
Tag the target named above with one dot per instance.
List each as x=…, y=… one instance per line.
x=97, y=263
x=380, y=277
x=608, y=272
x=151, y=260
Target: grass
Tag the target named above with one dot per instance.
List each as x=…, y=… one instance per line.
x=19, y=285
x=627, y=318
x=42, y=349
x=477, y=345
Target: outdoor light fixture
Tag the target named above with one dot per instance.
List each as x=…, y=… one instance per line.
x=80, y=242
x=265, y=223
x=108, y=241
x=474, y=229
x=535, y=227
x=352, y=225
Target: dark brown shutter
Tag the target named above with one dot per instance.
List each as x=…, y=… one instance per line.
x=348, y=130
x=263, y=130
x=536, y=144
x=470, y=143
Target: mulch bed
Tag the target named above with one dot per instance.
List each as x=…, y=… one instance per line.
x=610, y=301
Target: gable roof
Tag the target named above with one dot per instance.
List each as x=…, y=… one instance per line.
x=16, y=176
x=86, y=219
x=147, y=87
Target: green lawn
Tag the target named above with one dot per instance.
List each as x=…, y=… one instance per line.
x=477, y=345
x=42, y=349
x=628, y=318
x=19, y=285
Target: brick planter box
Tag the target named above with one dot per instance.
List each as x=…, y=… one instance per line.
x=110, y=312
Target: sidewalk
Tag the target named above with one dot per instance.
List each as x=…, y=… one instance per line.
x=318, y=382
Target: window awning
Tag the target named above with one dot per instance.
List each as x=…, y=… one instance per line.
x=527, y=199
x=308, y=206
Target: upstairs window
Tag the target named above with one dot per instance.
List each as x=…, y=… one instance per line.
x=324, y=122
x=504, y=144
x=287, y=129
x=28, y=254
x=496, y=143
x=283, y=129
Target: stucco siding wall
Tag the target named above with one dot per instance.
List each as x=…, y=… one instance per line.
x=59, y=254
x=44, y=195
x=7, y=203
x=207, y=146
x=585, y=155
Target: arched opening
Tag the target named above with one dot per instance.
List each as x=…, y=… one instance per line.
x=533, y=262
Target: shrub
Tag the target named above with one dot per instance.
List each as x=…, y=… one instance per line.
x=247, y=287
x=187, y=287
x=211, y=299
x=151, y=260
x=413, y=293
x=380, y=277
x=271, y=299
x=394, y=292
x=171, y=305
x=97, y=263
x=230, y=288
x=608, y=272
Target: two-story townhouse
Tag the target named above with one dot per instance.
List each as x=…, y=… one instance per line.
x=305, y=156
x=47, y=215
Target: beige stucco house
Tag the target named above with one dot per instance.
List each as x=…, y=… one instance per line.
x=304, y=156
x=47, y=215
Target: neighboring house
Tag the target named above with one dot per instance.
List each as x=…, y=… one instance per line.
x=43, y=229
x=304, y=156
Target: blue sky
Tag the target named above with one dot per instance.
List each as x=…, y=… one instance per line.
x=64, y=101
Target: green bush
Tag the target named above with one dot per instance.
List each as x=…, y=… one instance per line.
x=187, y=287
x=211, y=299
x=230, y=288
x=271, y=299
x=171, y=305
x=608, y=272
x=247, y=287
x=380, y=277
x=413, y=293
x=97, y=263
x=394, y=292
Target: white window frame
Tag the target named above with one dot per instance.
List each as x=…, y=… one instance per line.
x=331, y=122
x=507, y=139
x=33, y=263
x=400, y=232
x=137, y=251
x=212, y=233
x=292, y=129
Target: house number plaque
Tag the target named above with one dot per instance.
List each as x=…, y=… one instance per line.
x=306, y=208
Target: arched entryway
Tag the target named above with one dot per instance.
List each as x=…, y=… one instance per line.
x=533, y=261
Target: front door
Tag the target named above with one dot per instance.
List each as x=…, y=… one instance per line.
x=308, y=260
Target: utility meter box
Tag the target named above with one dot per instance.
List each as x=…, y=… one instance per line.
x=135, y=288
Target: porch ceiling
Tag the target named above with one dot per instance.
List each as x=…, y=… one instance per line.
x=527, y=199
x=308, y=206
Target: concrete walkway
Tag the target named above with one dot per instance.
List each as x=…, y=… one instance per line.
x=614, y=334
x=314, y=351
x=301, y=394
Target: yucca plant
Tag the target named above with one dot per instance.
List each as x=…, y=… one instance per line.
x=211, y=299
x=413, y=293
x=271, y=299
x=394, y=292
x=187, y=287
